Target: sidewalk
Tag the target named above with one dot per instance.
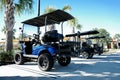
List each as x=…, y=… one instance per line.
x=103, y=67
x=112, y=51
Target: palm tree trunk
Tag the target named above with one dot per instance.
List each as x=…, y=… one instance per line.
x=9, y=41
x=73, y=31
x=9, y=24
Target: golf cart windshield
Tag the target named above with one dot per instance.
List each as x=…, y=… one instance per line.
x=29, y=30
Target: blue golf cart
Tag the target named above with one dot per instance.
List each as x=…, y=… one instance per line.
x=50, y=48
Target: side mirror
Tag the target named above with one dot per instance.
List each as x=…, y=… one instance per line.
x=21, y=29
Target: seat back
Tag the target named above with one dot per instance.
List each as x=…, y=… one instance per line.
x=52, y=36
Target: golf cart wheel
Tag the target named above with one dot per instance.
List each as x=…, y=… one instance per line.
x=45, y=62
x=85, y=55
x=100, y=52
x=91, y=56
x=64, y=61
x=19, y=59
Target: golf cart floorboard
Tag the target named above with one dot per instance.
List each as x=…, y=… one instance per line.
x=30, y=56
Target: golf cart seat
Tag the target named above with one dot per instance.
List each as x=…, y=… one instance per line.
x=52, y=36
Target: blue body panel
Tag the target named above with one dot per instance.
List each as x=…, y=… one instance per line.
x=38, y=49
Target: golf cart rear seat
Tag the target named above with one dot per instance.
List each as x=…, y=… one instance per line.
x=52, y=36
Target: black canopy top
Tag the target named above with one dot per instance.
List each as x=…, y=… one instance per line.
x=83, y=33
x=56, y=16
x=95, y=37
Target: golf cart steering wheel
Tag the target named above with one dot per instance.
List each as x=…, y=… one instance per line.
x=35, y=40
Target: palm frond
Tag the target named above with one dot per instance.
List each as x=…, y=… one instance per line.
x=2, y=4
x=24, y=6
x=66, y=7
x=79, y=26
x=73, y=22
x=49, y=9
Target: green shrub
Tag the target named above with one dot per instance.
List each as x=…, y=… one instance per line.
x=6, y=56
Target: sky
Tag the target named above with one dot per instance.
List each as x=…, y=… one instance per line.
x=90, y=13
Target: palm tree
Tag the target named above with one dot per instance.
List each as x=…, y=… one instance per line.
x=50, y=9
x=117, y=37
x=10, y=8
x=66, y=7
x=74, y=24
x=103, y=32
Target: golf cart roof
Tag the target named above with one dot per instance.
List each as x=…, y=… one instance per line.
x=95, y=37
x=54, y=17
x=83, y=33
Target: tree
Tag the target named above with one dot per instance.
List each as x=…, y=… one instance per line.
x=10, y=8
x=74, y=23
x=79, y=26
x=117, y=36
x=50, y=9
x=104, y=32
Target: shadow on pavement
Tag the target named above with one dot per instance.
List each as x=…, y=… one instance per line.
x=25, y=78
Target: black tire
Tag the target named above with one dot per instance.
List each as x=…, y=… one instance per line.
x=100, y=52
x=91, y=56
x=45, y=62
x=19, y=59
x=64, y=61
x=85, y=55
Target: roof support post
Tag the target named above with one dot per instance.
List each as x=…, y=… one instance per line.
x=38, y=30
